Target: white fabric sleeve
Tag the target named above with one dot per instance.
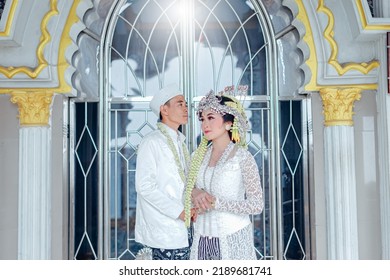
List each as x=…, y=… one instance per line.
x=253, y=202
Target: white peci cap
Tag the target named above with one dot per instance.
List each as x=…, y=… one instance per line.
x=164, y=95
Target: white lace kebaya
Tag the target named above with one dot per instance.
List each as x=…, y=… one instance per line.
x=235, y=182
x=240, y=125
x=225, y=232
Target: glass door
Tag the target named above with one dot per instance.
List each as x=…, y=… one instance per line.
x=202, y=46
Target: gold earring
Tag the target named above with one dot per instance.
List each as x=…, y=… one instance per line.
x=235, y=132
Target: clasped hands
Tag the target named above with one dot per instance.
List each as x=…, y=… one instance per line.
x=202, y=200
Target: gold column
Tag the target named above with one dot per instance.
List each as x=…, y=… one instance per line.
x=338, y=105
x=34, y=107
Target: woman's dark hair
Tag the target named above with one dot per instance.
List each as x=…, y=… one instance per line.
x=227, y=117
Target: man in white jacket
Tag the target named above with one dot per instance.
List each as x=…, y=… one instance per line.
x=162, y=163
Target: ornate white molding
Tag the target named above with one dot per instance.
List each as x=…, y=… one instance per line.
x=326, y=31
x=306, y=43
x=40, y=59
x=86, y=35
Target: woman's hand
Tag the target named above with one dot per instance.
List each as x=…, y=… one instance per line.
x=202, y=200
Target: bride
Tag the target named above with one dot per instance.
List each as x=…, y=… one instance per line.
x=223, y=183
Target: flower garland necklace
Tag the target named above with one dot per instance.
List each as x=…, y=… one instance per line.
x=192, y=174
x=208, y=184
x=172, y=147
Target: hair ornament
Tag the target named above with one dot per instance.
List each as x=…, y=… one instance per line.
x=234, y=107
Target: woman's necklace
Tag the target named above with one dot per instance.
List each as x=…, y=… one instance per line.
x=219, y=162
x=209, y=187
x=172, y=147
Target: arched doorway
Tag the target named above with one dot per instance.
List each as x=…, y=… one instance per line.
x=200, y=45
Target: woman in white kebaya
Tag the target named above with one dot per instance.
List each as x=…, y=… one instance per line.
x=223, y=183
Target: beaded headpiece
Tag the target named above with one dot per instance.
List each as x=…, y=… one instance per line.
x=234, y=108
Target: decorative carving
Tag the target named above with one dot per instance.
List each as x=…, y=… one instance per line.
x=338, y=105
x=34, y=107
x=11, y=71
x=364, y=67
x=307, y=35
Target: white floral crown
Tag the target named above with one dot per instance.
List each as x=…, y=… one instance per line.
x=233, y=107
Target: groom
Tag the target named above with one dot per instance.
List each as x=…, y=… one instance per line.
x=162, y=162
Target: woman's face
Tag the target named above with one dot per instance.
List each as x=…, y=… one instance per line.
x=213, y=126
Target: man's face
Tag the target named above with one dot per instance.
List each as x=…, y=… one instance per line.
x=176, y=110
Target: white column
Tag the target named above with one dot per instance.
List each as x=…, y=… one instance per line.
x=340, y=177
x=34, y=224
x=383, y=105
x=340, y=185
x=34, y=193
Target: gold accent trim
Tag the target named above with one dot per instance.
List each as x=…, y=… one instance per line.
x=11, y=71
x=10, y=19
x=338, y=105
x=62, y=65
x=311, y=62
x=363, y=67
x=34, y=107
x=66, y=41
x=363, y=19
x=359, y=86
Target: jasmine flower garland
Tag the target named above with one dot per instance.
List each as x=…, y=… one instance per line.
x=192, y=175
x=172, y=147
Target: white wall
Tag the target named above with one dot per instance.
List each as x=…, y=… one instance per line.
x=368, y=202
x=9, y=153
x=59, y=182
x=318, y=205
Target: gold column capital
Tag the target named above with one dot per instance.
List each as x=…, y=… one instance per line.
x=34, y=106
x=338, y=105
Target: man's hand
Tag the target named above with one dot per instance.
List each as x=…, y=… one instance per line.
x=194, y=215
x=182, y=215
